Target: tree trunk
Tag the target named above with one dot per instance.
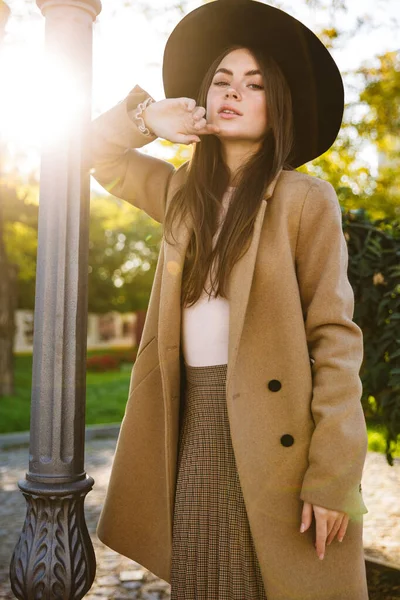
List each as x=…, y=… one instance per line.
x=7, y=277
x=8, y=301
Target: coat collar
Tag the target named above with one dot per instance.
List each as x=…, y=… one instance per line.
x=170, y=317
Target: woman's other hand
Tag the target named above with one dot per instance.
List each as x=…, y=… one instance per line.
x=178, y=120
x=328, y=523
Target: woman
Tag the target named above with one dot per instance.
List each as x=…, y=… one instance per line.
x=244, y=418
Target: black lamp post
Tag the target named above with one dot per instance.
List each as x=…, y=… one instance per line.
x=54, y=557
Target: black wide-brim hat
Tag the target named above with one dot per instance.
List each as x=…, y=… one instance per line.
x=313, y=76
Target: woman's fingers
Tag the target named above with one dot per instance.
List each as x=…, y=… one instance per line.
x=306, y=516
x=189, y=103
x=199, y=121
x=188, y=138
x=199, y=113
x=179, y=120
x=205, y=128
x=182, y=138
x=328, y=523
x=193, y=122
x=321, y=533
x=343, y=527
x=334, y=530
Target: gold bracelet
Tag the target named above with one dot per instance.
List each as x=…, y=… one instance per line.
x=141, y=124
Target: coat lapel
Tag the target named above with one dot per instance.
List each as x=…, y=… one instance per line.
x=238, y=289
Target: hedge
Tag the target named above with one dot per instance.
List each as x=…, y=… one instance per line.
x=374, y=273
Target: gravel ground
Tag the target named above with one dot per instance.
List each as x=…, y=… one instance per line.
x=119, y=578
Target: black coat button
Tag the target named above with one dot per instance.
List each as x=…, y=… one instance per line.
x=359, y=488
x=274, y=385
x=287, y=440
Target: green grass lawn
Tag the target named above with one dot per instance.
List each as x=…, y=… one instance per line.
x=106, y=396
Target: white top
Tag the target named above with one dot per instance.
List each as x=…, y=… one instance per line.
x=205, y=325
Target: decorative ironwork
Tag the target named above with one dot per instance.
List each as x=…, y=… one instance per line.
x=54, y=558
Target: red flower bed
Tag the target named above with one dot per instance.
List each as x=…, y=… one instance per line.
x=104, y=362
x=111, y=362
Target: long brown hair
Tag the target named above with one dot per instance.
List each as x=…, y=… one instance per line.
x=208, y=177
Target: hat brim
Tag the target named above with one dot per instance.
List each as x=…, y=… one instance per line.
x=313, y=76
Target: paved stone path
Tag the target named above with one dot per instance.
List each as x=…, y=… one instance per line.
x=120, y=578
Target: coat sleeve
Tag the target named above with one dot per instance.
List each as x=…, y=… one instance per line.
x=339, y=442
x=118, y=165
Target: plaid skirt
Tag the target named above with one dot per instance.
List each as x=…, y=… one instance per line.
x=213, y=554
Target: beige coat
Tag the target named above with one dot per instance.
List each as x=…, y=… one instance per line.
x=293, y=370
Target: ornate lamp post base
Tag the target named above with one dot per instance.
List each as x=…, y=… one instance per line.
x=54, y=557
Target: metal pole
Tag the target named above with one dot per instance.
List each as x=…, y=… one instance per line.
x=54, y=557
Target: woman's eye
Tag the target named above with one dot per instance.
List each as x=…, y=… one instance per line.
x=219, y=83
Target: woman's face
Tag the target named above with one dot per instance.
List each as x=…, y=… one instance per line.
x=238, y=83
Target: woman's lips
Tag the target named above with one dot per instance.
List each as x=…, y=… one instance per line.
x=227, y=115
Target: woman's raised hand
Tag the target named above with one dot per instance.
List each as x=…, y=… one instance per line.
x=178, y=120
